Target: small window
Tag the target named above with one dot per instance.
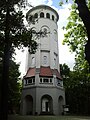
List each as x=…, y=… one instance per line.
x=45, y=59
x=50, y=80
x=59, y=82
x=47, y=15
x=45, y=80
x=29, y=81
x=40, y=80
x=41, y=15
x=53, y=17
x=35, y=15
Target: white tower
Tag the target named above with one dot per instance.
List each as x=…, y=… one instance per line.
x=43, y=91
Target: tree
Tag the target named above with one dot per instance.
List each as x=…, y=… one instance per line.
x=14, y=88
x=77, y=89
x=76, y=36
x=65, y=73
x=13, y=33
x=84, y=14
x=78, y=84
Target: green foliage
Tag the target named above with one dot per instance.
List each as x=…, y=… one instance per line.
x=64, y=70
x=19, y=35
x=77, y=83
x=77, y=89
x=76, y=33
x=76, y=36
x=14, y=88
x=78, y=92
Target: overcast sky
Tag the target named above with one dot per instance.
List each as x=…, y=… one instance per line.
x=64, y=55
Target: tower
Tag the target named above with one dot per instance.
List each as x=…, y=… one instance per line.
x=43, y=91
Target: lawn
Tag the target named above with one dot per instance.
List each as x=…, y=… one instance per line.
x=17, y=117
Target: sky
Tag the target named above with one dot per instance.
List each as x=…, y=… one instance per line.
x=64, y=55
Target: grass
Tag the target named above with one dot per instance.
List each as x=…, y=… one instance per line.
x=17, y=117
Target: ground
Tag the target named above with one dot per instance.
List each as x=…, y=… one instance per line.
x=17, y=117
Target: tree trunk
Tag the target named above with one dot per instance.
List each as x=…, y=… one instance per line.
x=5, y=72
x=84, y=13
x=4, y=84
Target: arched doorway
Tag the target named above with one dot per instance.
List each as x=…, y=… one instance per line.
x=60, y=104
x=29, y=105
x=46, y=104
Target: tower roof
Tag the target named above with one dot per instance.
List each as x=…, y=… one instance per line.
x=45, y=7
x=43, y=71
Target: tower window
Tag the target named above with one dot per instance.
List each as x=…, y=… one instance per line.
x=29, y=81
x=41, y=15
x=50, y=80
x=40, y=80
x=53, y=17
x=45, y=80
x=45, y=59
x=47, y=15
x=59, y=83
x=35, y=15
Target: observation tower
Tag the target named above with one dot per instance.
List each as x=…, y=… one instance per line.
x=43, y=91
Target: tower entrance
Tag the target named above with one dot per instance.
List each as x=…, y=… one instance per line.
x=60, y=104
x=46, y=104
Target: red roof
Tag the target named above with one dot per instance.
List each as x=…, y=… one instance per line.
x=55, y=72
x=44, y=71
x=30, y=72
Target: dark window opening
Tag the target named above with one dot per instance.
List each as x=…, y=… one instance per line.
x=52, y=17
x=41, y=15
x=40, y=80
x=30, y=81
x=50, y=80
x=35, y=15
x=45, y=80
x=47, y=15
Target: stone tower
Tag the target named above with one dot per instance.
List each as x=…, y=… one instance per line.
x=43, y=91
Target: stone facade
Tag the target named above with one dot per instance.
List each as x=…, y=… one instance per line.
x=43, y=91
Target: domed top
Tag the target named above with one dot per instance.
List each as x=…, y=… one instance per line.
x=42, y=6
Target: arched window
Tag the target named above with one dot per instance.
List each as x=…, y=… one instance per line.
x=47, y=15
x=53, y=17
x=35, y=15
x=41, y=15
